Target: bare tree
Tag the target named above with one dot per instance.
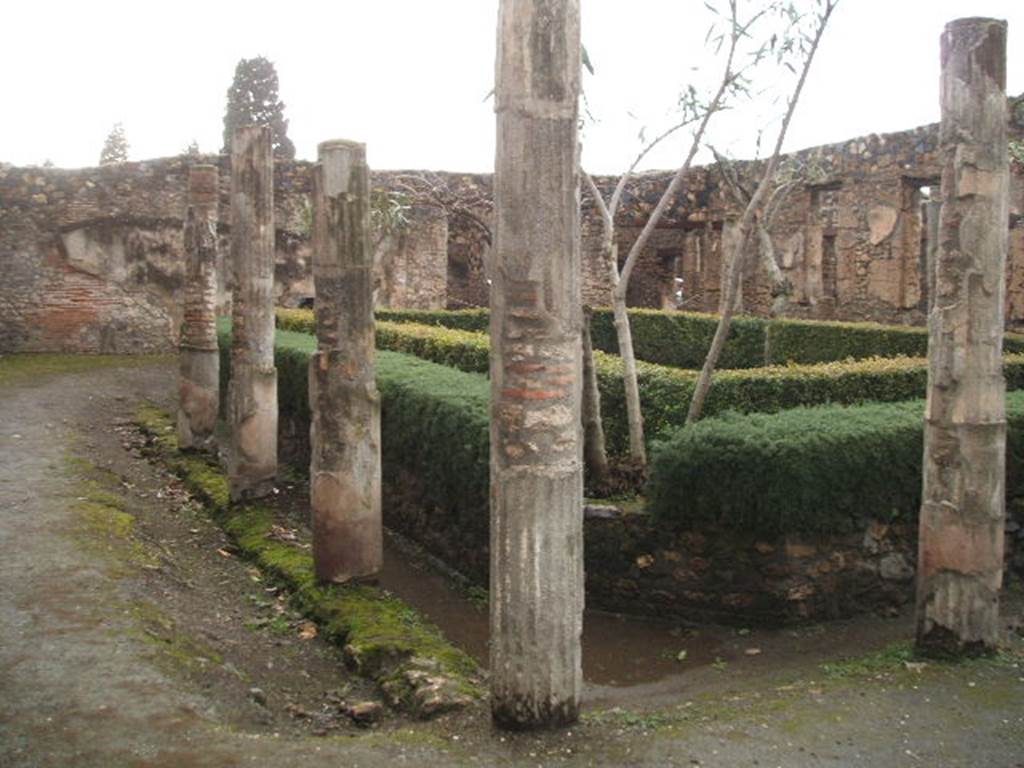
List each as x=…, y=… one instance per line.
x=808, y=46
x=792, y=174
x=470, y=204
x=734, y=81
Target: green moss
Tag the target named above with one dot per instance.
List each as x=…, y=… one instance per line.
x=158, y=630
x=892, y=658
x=109, y=521
x=381, y=634
x=101, y=522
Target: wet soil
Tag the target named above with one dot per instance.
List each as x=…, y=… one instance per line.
x=153, y=644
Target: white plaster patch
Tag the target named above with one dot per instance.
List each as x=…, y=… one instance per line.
x=882, y=221
x=555, y=416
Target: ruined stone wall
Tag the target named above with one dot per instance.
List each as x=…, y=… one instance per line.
x=93, y=260
x=851, y=243
x=413, y=262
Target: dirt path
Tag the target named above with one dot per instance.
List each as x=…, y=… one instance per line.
x=130, y=635
x=158, y=648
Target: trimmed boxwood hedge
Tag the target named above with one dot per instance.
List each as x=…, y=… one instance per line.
x=806, y=470
x=820, y=470
x=665, y=392
x=460, y=319
x=681, y=339
x=434, y=421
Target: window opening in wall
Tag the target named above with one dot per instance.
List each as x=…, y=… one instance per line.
x=825, y=204
x=670, y=264
x=920, y=197
x=825, y=201
x=829, y=267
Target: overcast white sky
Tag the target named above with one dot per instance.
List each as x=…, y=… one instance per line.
x=409, y=77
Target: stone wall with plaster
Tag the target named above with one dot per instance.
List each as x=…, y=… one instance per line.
x=93, y=259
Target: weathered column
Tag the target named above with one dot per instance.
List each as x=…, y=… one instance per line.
x=198, y=358
x=960, y=562
x=252, y=460
x=536, y=317
x=344, y=468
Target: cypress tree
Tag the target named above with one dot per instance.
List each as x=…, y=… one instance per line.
x=253, y=100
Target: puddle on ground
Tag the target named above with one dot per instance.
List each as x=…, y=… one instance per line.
x=618, y=651
x=637, y=659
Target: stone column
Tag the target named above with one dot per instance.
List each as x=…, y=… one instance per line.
x=252, y=459
x=536, y=317
x=960, y=561
x=198, y=359
x=345, y=432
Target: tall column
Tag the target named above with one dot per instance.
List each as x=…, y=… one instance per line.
x=536, y=318
x=345, y=432
x=252, y=460
x=198, y=358
x=960, y=562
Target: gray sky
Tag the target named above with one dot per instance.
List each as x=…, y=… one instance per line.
x=409, y=77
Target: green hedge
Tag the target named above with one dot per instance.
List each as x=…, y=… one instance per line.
x=665, y=392
x=807, y=470
x=805, y=341
x=459, y=319
x=797, y=341
x=468, y=351
x=810, y=470
x=434, y=421
x=681, y=339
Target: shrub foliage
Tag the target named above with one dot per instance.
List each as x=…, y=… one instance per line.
x=811, y=470
x=820, y=470
x=682, y=339
x=665, y=392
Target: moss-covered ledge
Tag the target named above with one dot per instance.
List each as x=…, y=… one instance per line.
x=383, y=638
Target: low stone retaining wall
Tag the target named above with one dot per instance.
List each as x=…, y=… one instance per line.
x=634, y=567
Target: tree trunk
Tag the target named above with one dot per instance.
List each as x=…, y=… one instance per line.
x=595, y=454
x=252, y=394
x=960, y=554
x=199, y=360
x=780, y=287
x=738, y=240
x=345, y=472
x=624, y=335
x=536, y=462
x=732, y=262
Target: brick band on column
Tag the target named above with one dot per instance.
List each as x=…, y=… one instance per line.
x=199, y=360
x=536, y=318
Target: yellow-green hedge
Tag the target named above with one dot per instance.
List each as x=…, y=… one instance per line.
x=681, y=339
x=665, y=392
